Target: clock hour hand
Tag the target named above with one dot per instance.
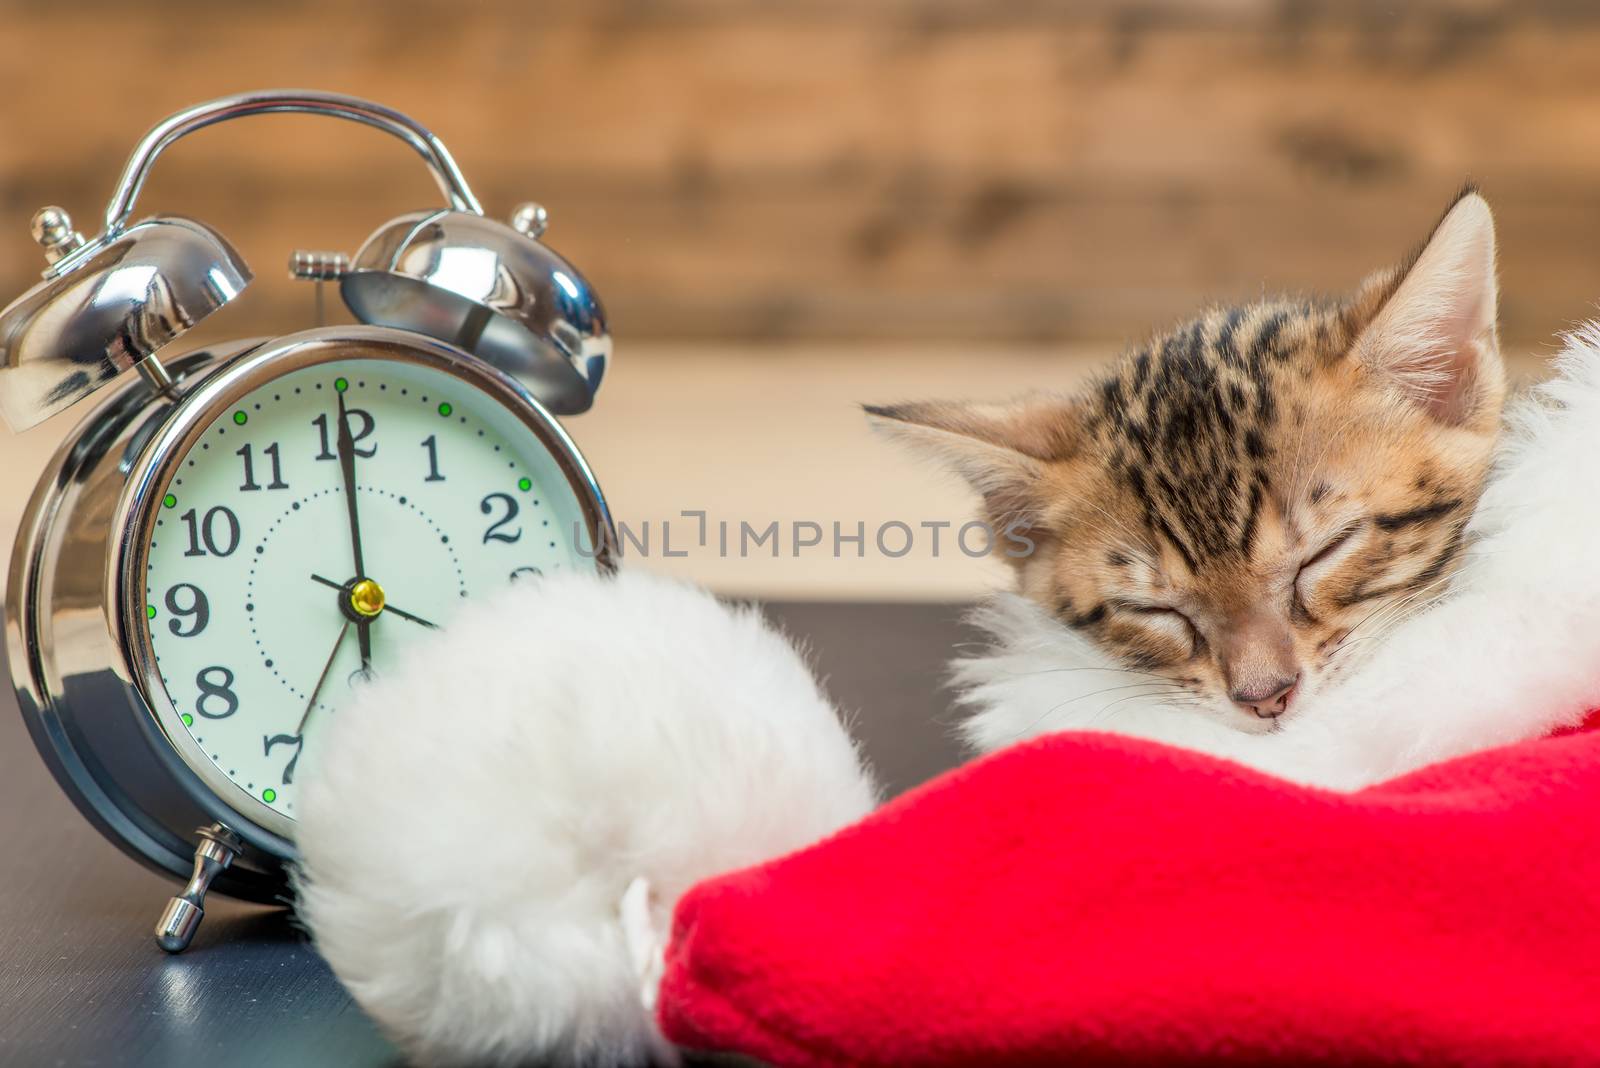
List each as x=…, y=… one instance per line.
x=407, y=615
x=347, y=469
x=387, y=607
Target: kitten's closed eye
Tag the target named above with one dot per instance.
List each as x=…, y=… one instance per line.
x=1323, y=560
x=1166, y=621
x=1305, y=606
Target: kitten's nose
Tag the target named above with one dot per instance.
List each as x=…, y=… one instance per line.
x=1269, y=700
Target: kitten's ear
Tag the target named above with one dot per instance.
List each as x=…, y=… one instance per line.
x=1429, y=327
x=1000, y=449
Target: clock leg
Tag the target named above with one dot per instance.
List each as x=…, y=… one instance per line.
x=181, y=918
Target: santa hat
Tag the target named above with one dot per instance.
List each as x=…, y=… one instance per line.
x=618, y=840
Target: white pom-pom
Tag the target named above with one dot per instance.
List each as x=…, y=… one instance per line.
x=473, y=820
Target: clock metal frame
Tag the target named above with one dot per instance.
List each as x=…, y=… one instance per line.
x=72, y=683
x=78, y=639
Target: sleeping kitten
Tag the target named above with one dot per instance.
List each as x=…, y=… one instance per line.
x=1226, y=514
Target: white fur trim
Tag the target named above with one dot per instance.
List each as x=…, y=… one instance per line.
x=1513, y=653
x=556, y=745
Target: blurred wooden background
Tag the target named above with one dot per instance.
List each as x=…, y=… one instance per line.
x=1025, y=170
x=792, y=206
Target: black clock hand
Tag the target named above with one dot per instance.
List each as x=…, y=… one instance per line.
x=328, y=582
x=407, y=615
x=347, y=468
x=322, y=678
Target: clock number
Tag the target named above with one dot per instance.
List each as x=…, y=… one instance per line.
x=431, y=443
x=361, y=426
x=494, y=533
x=198, y=608
x=203, y=532
x=518, y=574
x=271, y=451
x=221, y=691
x=285, y=739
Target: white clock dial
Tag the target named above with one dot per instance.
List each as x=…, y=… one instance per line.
x=250, y=600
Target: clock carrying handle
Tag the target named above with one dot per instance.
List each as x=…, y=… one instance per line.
x=302, y=101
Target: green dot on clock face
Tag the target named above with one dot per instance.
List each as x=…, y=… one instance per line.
x=150, y=611
x=445, y=409
x=269, y=795
x=341, y=384
x=524, y=484
x=188, y=720
x=240, y=418
x=169, y=501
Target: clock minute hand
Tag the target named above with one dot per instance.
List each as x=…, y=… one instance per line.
x=347, y=468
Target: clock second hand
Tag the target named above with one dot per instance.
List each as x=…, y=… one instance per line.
x=386, y=607
x=322, y=678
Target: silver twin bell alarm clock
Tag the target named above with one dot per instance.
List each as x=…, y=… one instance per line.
x=238, y=534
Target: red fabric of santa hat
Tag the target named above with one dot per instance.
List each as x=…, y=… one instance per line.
x=1100, y=900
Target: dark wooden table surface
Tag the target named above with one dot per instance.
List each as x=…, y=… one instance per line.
x=81, y=982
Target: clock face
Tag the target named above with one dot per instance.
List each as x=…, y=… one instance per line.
x=262, y=613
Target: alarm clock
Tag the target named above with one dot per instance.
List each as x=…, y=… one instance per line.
x=239, y=535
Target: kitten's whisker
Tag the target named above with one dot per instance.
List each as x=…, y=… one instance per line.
x=1101, y=713
x=1397, y=606
x=1345, y=646
x=1379, y=627
x=1118, y=530
x=1299, y=481
x=1385, y=606
x=1117, y=521
x=1052, y=710
x=1296, y=479
x=1400, y=613
x=1097, y=693
x=1107, y=670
